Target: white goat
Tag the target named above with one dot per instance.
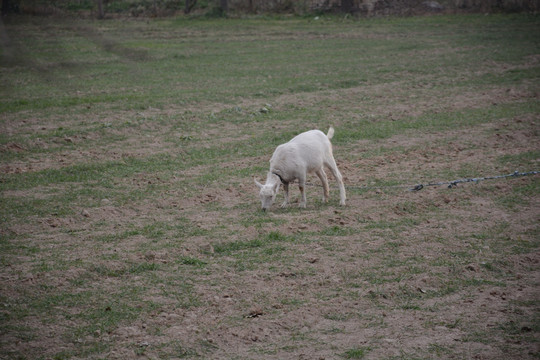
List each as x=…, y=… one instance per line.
x=305, y=153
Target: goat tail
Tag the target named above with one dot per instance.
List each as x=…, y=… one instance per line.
x=330, y=133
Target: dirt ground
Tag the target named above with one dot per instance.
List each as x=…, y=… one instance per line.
x=195, y=270
x=330, y=321
x=321, y=298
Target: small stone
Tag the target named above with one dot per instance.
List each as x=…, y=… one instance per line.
x=255, y=312
x=472, y=268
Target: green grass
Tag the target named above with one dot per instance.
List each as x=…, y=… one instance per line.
x=127, y=152
x=356, y=353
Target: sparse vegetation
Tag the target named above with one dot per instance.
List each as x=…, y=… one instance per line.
x=130, y=224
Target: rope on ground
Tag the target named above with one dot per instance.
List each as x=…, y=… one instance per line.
x=454, y=183
x=451, y=184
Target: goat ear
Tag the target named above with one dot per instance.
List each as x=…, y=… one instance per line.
x=275, y=189
x=259, y=185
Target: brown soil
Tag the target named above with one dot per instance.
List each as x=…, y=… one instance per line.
x=320, y=299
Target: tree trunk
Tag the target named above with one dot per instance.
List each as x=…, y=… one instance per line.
x=224, y=6
x=5, y=7
x=190, y=4
x=10, y=7
x=347, y=6
x=101, y=14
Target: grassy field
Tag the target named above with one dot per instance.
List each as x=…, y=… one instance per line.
x=130, y=224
